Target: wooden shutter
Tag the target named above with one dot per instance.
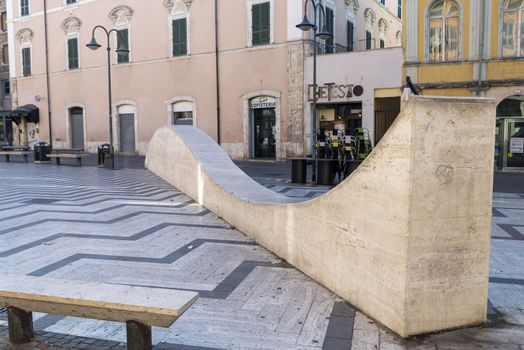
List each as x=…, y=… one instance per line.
x=260, y=24
x=122, y=40
x=330, y=19
x=180, y=37
x=350, y=29
x=26, y=61
x=72, y=52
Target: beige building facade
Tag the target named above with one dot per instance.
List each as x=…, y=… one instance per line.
x=235, y=68
x=6, y=131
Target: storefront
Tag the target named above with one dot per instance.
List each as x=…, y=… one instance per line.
x=6, y=130
x=358, y=95
x=263, y=135
x=509, y=144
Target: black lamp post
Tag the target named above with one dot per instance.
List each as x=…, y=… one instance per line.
x=121, y=50
x=324, y=34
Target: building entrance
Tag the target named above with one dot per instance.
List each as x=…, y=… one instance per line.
x=6, y=131
x=264, y=133
x=509, y=144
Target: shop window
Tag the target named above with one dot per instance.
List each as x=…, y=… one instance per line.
x=260, y=24
x=512, y=28
x=444, y=33
x=72, y=53
x=24, y=7
x=179, y=37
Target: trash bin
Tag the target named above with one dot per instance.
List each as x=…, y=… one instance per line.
x=41, y=152
x=298, y=170
x=105, y=156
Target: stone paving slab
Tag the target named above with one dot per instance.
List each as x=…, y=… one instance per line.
x=130, y=227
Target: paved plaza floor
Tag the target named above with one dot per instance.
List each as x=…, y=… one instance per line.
x=129, y=227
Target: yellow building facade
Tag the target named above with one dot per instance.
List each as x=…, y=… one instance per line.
x=471, y=48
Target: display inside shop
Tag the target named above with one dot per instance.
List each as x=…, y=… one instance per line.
x=347, y=148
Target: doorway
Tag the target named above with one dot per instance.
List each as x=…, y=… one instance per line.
x=77, y=127
x=509, y=144
x=264, y=133
x=127, y=132
x=6, y=131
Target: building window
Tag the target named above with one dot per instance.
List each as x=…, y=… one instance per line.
x=72, y=53
x=5, y=54
x=24, y=7
x=6, y=88
x=383, y=27
x=443, y=24
x=330, y=24
x=182, y=113
x=350, y=32
x=26, y=61
x=399, y=9
x=369, y=38
x=179, y=37
x=122, y=40
x=3, y=20
x=383, y=2
x=69, y=2
x=512, y=29
x=71, y=28
x=260, y=24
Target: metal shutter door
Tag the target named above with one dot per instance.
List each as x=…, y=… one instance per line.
x=77, y=129
x=127, y=133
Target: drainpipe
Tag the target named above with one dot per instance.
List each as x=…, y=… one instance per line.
x=482, y=33
x=47, y=77
x=217, y=69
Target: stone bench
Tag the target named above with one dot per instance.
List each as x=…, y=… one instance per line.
x=8, y=154
x=76, y=154
x=140, y=307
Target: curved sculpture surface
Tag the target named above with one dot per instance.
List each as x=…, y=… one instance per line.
x=405, y=238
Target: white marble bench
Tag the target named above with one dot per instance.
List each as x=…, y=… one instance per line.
x=139, y=307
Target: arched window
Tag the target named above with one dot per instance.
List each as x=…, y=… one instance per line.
x=382, y=32
x=444, y=32
x=512, y=22
x=121, y=17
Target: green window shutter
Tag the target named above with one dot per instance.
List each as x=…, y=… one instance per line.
x=26, y=61
x=180, y=37
x=260, y=24
x=330, y=19
x=123, y=40
x=350, y=34
x=72, y=53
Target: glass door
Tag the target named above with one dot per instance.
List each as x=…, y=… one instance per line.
x=514, y=144
x=264, y=133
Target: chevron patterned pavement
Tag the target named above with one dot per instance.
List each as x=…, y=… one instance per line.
x=130, y=227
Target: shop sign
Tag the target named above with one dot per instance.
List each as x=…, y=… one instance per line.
x=262, y=102
x=516, y=145
x=332, y=92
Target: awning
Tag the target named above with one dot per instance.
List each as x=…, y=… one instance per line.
x=30, y=112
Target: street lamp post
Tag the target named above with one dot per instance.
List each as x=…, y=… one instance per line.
x=121, y=50
x=323, y=34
